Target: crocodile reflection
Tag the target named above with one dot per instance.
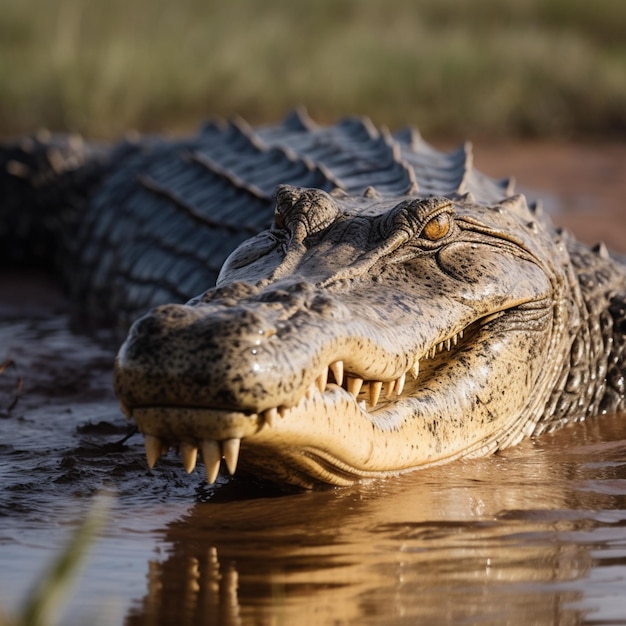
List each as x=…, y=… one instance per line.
x=454, y=545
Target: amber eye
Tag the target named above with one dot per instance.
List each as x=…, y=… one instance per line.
x=438, y=227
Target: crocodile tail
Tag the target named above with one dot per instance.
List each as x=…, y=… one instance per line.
x=44, y=184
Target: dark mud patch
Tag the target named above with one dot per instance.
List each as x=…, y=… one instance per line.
x=61, y=429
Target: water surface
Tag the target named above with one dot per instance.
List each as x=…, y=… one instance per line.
x=535, y=534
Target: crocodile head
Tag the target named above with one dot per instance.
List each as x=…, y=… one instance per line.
x=359, y=337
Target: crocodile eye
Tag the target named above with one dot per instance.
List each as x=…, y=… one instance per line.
x=438, y=227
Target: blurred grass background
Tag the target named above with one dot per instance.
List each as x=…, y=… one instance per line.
x=492, y=68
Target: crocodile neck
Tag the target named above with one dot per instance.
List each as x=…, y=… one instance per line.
x=591, y=381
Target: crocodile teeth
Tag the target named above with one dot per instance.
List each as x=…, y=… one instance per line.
x=388, y=387
x=337, y=369
x=353, y=385
x=230, y=450
x=322, y=380
x=415, y=369
x=310, y=391
x=270, y=416
x=154, y=449
x=400, y=384
x=446, y=343
x=212, y=453
x=211, y=457
x=375, y=389
x=189, y=454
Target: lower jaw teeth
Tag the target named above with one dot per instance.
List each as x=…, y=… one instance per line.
x=212, y=454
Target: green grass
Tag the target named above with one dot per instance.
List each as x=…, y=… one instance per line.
x=454, y=67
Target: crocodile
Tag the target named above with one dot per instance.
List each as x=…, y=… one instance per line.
x=324, y=304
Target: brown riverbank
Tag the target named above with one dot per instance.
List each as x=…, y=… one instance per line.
x=583, y=186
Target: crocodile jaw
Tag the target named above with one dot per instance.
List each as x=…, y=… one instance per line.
x=448, y=410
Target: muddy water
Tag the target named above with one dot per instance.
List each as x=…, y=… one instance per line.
x=533, y=535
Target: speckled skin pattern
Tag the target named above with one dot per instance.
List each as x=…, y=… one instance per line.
x=400, y=311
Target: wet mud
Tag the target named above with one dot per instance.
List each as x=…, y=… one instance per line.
x=535, y=534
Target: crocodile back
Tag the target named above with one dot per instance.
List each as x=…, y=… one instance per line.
x=152, y=221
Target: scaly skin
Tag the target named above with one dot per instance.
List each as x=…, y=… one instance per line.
x=406, y=311
x=452, y=322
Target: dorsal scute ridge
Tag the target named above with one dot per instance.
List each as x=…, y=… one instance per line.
x=240, y=149
x=359, y=125
x=371, y=192
x=468, y=197
x=353, y=154
x=509, y=185
x=226, y=174
x=536, y=208
x=352, y=151
x=322, y=177
x=394, y=147
x=397, y=157
x=215, y=125
x=331, y=181
x=413, y=189
x=457, y=157
x=298, y=120
x=562, y=235
x=174, y=199
x=601, y=250
x=467, y=150
x=328, y=175
x=516, y=204
x=338, y=193
x=412, y=137
x=239, y=127
x=437, y=173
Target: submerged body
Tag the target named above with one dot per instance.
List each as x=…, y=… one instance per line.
x=401, y=310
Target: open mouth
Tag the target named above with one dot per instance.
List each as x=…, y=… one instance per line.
x=449, y=398
x=217, y=433
x=372, y=395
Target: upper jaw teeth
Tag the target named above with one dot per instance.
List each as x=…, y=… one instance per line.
x=373, y=390
x=228, y=449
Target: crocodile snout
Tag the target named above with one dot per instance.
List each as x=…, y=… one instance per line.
x=181, y=354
